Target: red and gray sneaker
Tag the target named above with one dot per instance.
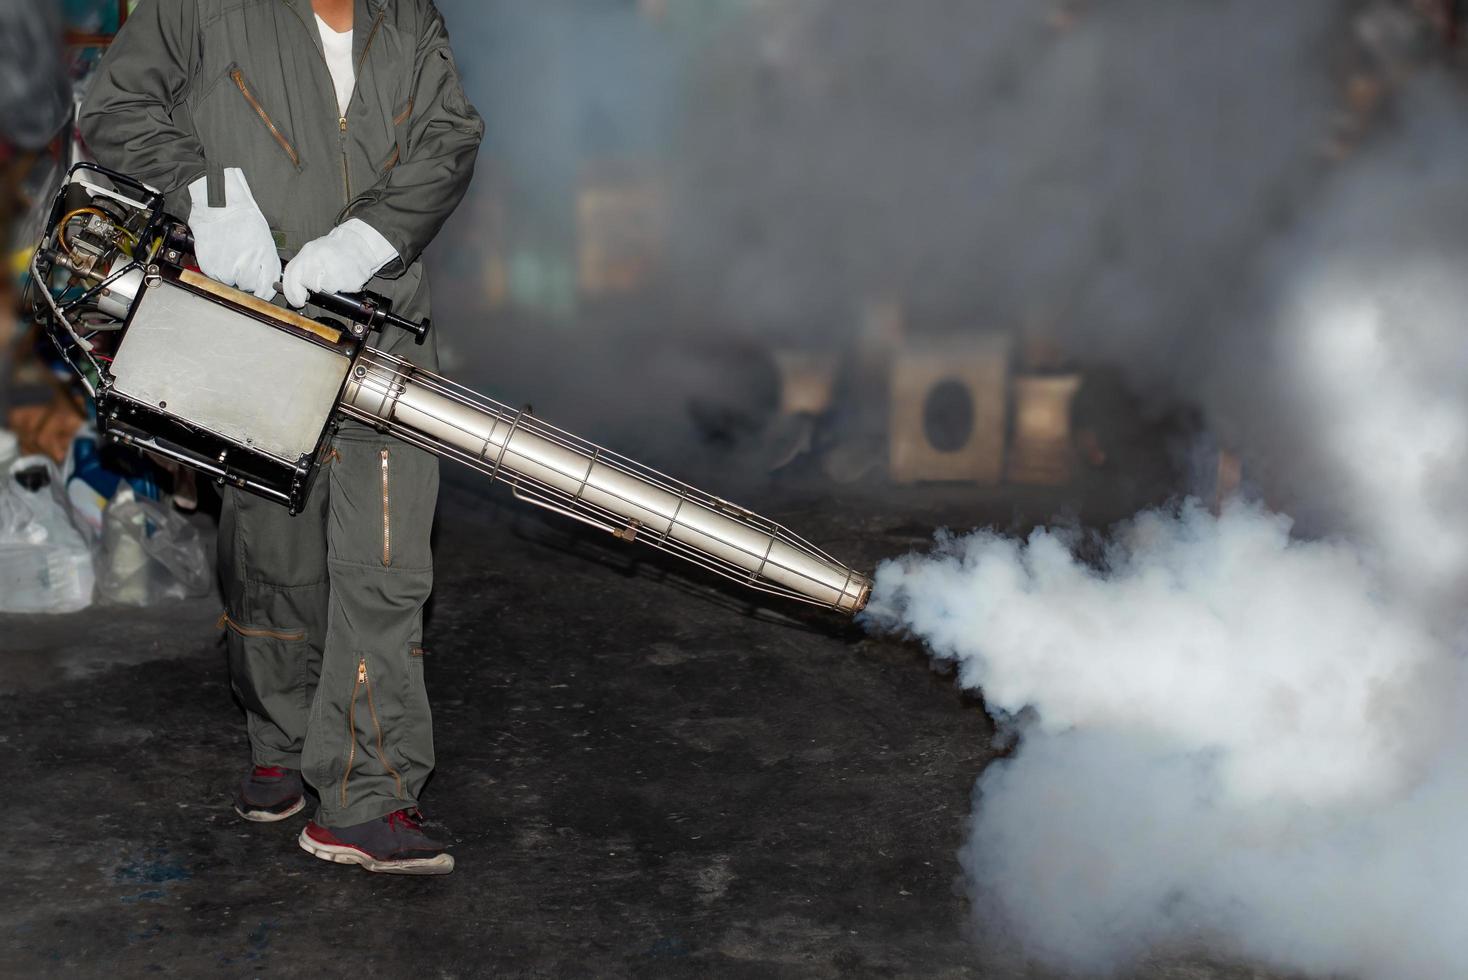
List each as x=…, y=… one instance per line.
x=395, y=844
x=269, y=793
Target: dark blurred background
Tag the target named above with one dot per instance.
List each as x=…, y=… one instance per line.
x=983, y=244
x=962, y=242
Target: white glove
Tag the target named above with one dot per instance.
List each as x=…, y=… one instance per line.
x=340, y=261
x=233, y=244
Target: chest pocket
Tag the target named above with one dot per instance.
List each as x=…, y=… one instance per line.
x=261, y=113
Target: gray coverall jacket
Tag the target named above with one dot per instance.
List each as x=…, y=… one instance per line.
x=324, y=610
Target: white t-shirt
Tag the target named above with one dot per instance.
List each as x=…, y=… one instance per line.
x=338, y=51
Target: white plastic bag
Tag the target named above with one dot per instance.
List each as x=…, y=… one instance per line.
x=149, y=553
x=45, y=563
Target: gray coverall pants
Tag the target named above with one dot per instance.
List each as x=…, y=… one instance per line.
x=324, y=620
x=323, y=610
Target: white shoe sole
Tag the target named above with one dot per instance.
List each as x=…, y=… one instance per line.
x=441, y=864
x=265, y=816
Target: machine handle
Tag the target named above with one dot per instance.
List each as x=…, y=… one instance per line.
x=369, y=309
x=372, y=310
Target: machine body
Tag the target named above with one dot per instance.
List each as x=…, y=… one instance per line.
x=249, y=393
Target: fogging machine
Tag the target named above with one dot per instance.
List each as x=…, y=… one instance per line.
x=249, y=394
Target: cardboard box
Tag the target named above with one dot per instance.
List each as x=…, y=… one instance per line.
x=949, y=410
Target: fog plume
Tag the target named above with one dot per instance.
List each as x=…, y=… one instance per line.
x=1240, y=732
x=1243, y=733
x=1232, y=739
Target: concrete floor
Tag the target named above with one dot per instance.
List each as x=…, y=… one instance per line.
x=643, y=775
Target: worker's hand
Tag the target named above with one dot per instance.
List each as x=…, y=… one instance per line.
x=339, y=262
x=233, y=243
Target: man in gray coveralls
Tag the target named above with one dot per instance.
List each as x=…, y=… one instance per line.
x=333, y=134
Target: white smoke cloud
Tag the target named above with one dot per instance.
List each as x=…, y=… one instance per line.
x=1100, y=847
x=1219, y=635
x=1242, y=730
x=1242, y=738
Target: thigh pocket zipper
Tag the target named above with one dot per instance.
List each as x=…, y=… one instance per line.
x=363, y=681
x=352, y=727
x=256, y=632
x=386, y=511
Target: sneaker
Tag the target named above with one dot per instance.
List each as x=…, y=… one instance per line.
x=395, y=844
x=269, y=793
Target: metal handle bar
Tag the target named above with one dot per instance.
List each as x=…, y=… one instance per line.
x=370, y=309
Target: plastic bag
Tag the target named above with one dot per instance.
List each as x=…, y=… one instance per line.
x=45, y=563
x=149, y=553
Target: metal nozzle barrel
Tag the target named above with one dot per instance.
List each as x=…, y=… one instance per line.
x=554, y=469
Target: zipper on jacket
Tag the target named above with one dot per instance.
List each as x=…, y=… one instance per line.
x=377, y=727
x=342, y=122
x=341, y=115
x=290, y=151
x=342, y=145
x=225, y=622
x=386, y=513
x=352, y=727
